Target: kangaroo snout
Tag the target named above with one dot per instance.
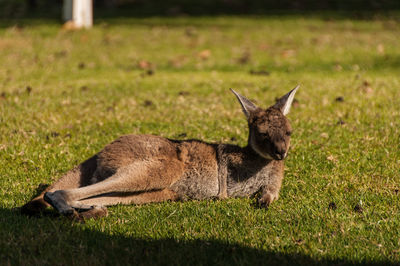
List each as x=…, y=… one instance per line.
x=280, y=155
x=279, y=151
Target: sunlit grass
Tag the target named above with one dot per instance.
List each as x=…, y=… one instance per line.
x=64, y=95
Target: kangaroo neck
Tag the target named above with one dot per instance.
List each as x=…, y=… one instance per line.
x=253, y=156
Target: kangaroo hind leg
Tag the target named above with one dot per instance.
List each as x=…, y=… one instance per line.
x=77, y=177
x=140, y=177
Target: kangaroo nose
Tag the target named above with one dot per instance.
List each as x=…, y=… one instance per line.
x=280, y=154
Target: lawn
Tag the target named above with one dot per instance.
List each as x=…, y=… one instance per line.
x=65, y=94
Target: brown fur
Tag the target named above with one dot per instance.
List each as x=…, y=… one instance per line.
x=139, y=169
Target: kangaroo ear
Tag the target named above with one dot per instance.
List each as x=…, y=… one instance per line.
x=285, y=102
x=247, y=105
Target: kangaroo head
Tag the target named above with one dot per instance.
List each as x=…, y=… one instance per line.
x=269, y=130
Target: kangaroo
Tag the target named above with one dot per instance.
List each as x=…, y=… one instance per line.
x=139, y=169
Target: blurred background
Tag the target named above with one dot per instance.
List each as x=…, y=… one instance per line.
x=52, y=8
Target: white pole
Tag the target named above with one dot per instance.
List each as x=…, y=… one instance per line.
x=82, y=13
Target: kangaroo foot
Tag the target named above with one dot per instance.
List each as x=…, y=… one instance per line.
x=58, y=202
x=95, y=212
x=79, y=207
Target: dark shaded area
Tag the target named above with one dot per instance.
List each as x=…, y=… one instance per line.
x=58, y=241
x=363, y=9
x=241, y=7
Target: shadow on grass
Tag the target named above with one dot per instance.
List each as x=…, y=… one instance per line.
x=26, y=240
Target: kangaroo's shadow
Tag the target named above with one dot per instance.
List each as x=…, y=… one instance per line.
x=27, y=240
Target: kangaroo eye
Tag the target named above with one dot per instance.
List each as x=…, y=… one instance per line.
x=288, y=133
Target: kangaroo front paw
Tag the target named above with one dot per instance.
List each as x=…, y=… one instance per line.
x=58, y=202
x=266, y=200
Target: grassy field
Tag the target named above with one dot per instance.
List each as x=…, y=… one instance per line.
x=65, y=94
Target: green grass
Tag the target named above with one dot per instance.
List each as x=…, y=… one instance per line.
x=87, y=89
